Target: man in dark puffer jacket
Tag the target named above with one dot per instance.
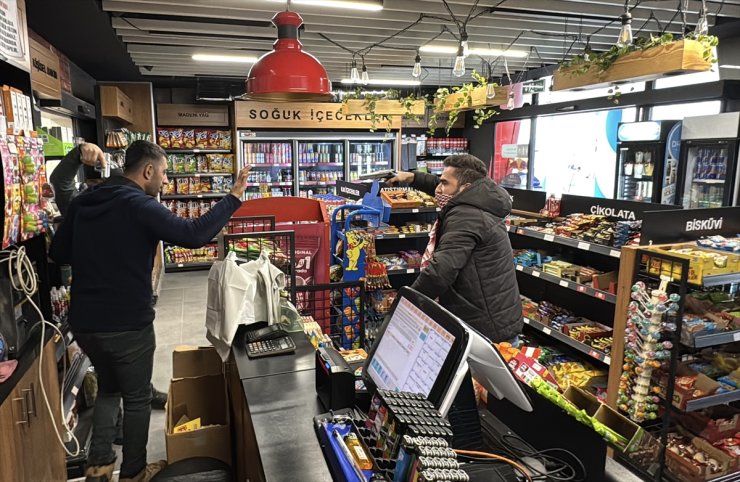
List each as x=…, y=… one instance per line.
x=471, y=270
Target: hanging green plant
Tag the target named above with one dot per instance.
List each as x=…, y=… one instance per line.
x=378, y=108
x=469, y=96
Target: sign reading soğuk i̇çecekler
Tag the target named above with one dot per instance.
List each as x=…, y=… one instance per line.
x=306, y=115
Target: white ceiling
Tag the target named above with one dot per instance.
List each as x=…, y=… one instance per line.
x=161, y=45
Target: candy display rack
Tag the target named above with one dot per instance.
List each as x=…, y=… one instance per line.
x=656, y=386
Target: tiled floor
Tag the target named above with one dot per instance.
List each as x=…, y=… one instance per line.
x=181, y=320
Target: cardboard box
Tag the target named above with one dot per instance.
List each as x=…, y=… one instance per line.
x=686, y=471
x=198, y=389
x=605, y=282
x=682, y=395
x=714, y=424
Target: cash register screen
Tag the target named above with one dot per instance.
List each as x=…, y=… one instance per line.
x=412, y=352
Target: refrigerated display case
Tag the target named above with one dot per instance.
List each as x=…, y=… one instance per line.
x=305, y=164
x=641, y=148
x=709, y=154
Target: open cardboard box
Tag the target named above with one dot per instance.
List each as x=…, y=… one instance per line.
x=198, y=389
x=686, y=471
x=682, y=395
x=607, y=417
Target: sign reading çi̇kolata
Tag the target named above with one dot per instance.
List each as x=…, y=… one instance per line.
x=612, y=208
x=305, y=115
x=208, y=115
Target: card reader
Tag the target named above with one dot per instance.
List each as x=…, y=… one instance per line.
x=335, y=379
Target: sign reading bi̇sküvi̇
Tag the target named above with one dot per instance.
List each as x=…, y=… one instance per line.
x=306, y=115
x=689, y=224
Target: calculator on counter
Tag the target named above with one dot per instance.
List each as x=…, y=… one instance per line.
x=269, y=341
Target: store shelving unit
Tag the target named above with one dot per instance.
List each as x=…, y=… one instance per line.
x=641, y=267
x=198, y=151
x=571, y=342
x=202, y=195
x=572, y=242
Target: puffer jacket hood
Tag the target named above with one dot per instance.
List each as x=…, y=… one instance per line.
x=486, y=195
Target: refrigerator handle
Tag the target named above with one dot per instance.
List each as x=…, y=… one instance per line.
x=295, y=167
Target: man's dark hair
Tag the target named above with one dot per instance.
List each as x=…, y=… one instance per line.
x=141, y=152
x=468, y=168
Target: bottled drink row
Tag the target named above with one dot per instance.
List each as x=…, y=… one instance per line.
x=437, y=146
x=706, y=196
x=284, y=175
x=320, y=176
x=320, y=153
x=641, y=165
x=268, y=152
x=710, y=164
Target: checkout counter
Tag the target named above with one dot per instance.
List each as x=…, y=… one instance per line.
x=274, y=401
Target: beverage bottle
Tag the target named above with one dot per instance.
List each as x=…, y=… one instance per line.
x=711, y=170
x=722, y=164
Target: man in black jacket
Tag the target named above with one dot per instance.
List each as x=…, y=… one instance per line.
x=468, y=265
x=87, y=156
x=109, y=237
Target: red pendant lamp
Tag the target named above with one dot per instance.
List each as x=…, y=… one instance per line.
x=288, y=73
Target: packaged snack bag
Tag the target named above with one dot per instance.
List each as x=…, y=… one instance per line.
x=194, y=183
x=188, y=138
x=226, y=140
x=163, y=138
x=202, y=162
x=191, y=165
x=176, y=140
x=183, y=185
x=201, y=138
x=214, y=139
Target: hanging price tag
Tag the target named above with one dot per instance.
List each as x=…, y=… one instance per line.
x=526, y=320
x=196, y=151
x=584, y=246
x=600, y=295
x=536, y=274
x=415, y=210
x=410, y=270
x=549, y=237
x=519, y=267
x=607, y=360
x=615, y=253
x=594, y=354
x=736, y=336
x=180, y=265
x=199, y=196
x=582, y=289
x=401, y=236
x=564, y=284
x=546, y=330
x=519, y=231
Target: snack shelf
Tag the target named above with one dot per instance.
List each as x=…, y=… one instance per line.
x=709, y=181
x=203, y=195
x=403, y=271
x=258, y=184
x=575, y=243
x=271, y=164
x=319, y=164
x=571, y=342
x=424, y=234
x=198, y=151
x=714, y=339
x=198, y=174
x=712, y=401
x=433, y=209
x=572, y=285
x=170, y=267
x=721, y=279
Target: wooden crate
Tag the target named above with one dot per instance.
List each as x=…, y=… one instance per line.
x=397, y=204
x=383, y=107
x=477, y=99
x=680, y=57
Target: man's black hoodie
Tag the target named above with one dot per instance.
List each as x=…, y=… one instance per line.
x=109, y=237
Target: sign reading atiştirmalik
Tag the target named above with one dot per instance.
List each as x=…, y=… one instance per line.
x=307, y=115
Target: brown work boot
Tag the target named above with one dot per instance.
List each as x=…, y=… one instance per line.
x=147, y=473
x=99, y=473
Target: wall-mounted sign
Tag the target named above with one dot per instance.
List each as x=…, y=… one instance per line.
x=65, y=75
x=13, y=34
x=533, y=86
x=513, y=151
x=45, y=77
x=689, y=225
x=193, y=115
x=625, y=210
x=526, y=200
x=639, y=131
x=305, y=115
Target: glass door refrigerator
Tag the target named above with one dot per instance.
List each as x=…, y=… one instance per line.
x=321, y=163
x=371, y=153
x=641, y=150
x=709, y=154
x=271, y=158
